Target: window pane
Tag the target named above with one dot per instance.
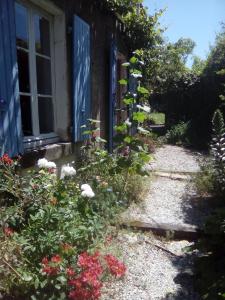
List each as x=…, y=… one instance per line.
x=42, y=35
x=45, y=110
x=21, y=26
x=44, y=84
x=25, y=104
x=23, y=66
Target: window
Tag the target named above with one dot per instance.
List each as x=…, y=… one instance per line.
x=34, y=43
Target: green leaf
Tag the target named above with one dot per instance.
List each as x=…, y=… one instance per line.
x=86, y=132
x=142, y=90
x=133, y=60
x=128, y=139
x=123, y=81
x=139, y=116
x=121, y=128
x=129, y=101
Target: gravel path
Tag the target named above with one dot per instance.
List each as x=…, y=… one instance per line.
x=170, y=202
x=175, y=159
x=154, y=273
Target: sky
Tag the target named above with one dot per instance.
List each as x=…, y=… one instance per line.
x=196, y=19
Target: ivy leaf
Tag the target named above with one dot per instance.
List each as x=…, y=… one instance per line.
x=129, y=101
x=133, y=60
x=128, y=139
x=143, y=90
x=121, y=128
x=86, y=132
x=139, y=116
x=123, y=81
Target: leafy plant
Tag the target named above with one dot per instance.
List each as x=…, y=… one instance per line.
x=178, y=134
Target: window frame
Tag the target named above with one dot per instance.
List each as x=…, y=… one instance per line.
x=38, y=139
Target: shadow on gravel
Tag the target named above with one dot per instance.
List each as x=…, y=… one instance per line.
x=185, y=279
x=196, y=208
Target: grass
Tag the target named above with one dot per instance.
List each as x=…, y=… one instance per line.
x=157, y=118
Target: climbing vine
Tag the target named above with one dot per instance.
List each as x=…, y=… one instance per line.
x=143, y=30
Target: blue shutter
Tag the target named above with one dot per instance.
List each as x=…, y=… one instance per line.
x=81, y=77
x=112, y=92
x=10, y=115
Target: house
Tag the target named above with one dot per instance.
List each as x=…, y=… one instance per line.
x=60, y=61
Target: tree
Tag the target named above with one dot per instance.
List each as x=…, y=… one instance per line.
x=198, y=65
x=165, y=64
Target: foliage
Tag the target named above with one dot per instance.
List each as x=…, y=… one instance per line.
x=218, y=150
x=198, y=65
x=142, y=30
x=43, y=216
x=132, y=153
x=165, y=65
x=178, y=134
x=157, y=118
x=211, y=263
x=204, y=180
x=50, y=226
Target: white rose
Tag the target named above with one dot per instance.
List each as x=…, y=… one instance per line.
x=85, y=187
x=88, y=194
x=67, y=171
x=45, y=164
x=87, y=191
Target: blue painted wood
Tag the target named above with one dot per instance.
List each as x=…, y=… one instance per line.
x=81, y=77
x=11, y=140
x=112, y=92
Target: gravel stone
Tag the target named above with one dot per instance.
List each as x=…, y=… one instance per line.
x=175, y=159
x=171, y=202
x=152, y=274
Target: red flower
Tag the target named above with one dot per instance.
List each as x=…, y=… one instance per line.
x=8, y=231
x=50, y=270
x=87, y=285
x=48, y=266
x=56, y=259
x=116, y=267
x=70, y=272
x=5, y=159
x=45, y=261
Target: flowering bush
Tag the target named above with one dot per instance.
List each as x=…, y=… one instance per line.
x=46, y=223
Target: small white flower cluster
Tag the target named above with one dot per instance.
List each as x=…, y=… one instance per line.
x=67, y=171
x=136, y=75
x=87, y=191
x=43, y=163
x=128, y=123
x=218, y=148
x=142, y=130
x=145, y=108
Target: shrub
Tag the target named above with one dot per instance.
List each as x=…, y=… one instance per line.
x=178, y=134
x=46, y=223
